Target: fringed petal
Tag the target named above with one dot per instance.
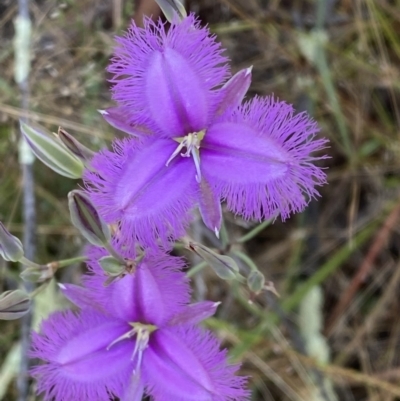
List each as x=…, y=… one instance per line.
x=176, y=98
x=133, y=186
x=236, y=153
x=260, y=159
x=185, y=364
x=76, y=362
x=161, y=75
x=156, y=292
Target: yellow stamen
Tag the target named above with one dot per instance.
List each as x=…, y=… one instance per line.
x=192, y=144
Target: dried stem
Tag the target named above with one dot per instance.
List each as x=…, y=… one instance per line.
x=22, y=57
x=365, y=268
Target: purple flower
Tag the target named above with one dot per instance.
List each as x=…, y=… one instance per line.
x=138, y=336
x=197, y=145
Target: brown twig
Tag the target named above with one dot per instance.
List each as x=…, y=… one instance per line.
x=372, y=319
x=364, y=270
x=337, y=373
x=117, y=14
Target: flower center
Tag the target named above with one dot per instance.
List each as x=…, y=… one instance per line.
x=192, y=144
x=142, y=332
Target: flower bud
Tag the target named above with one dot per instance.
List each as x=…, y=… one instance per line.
x=37, y=274
x=51, y=152
x=75, y=147
x=31, y=275
x=224, y=266
x=116, y=270
x=172, y=9
x=10, y=247
x=14, y=304
x=111, y=265
x=86, y=219
x=256, y=281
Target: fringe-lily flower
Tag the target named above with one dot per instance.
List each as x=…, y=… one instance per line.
x=197, y=145
x=137, y=336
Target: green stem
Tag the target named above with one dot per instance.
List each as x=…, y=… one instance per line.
x=197, y=268
x=240, y=278
x=246, y=259
x=322, y=65
x=39, y=289
x=114, y=253
x=26, y=262
x=328, y=268
x=252, y=233
x=224, y=235
x=68, y=262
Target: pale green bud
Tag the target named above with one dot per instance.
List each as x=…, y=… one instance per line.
x=14, y=304
x=256, y=281
x=86, y=219
x=51, y=151
x=10, y=247
x=116, y=270
x=75, y=147
x=37, y=274
x=224, y=266
x=172, y=9
x=111, y=266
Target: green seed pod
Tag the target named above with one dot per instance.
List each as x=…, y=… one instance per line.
x=51, y=151
x=37, y=274
x=75, y=147
x=223, y=266
x=256, y=281
x=111, y=266
x=85, y=218
x=172, y=9
x=31, y=275
x=14, y=304
x=10, y=247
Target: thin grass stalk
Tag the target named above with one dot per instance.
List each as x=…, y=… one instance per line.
x=22, y=66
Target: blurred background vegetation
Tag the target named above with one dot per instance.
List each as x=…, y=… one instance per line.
x=334, y=332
